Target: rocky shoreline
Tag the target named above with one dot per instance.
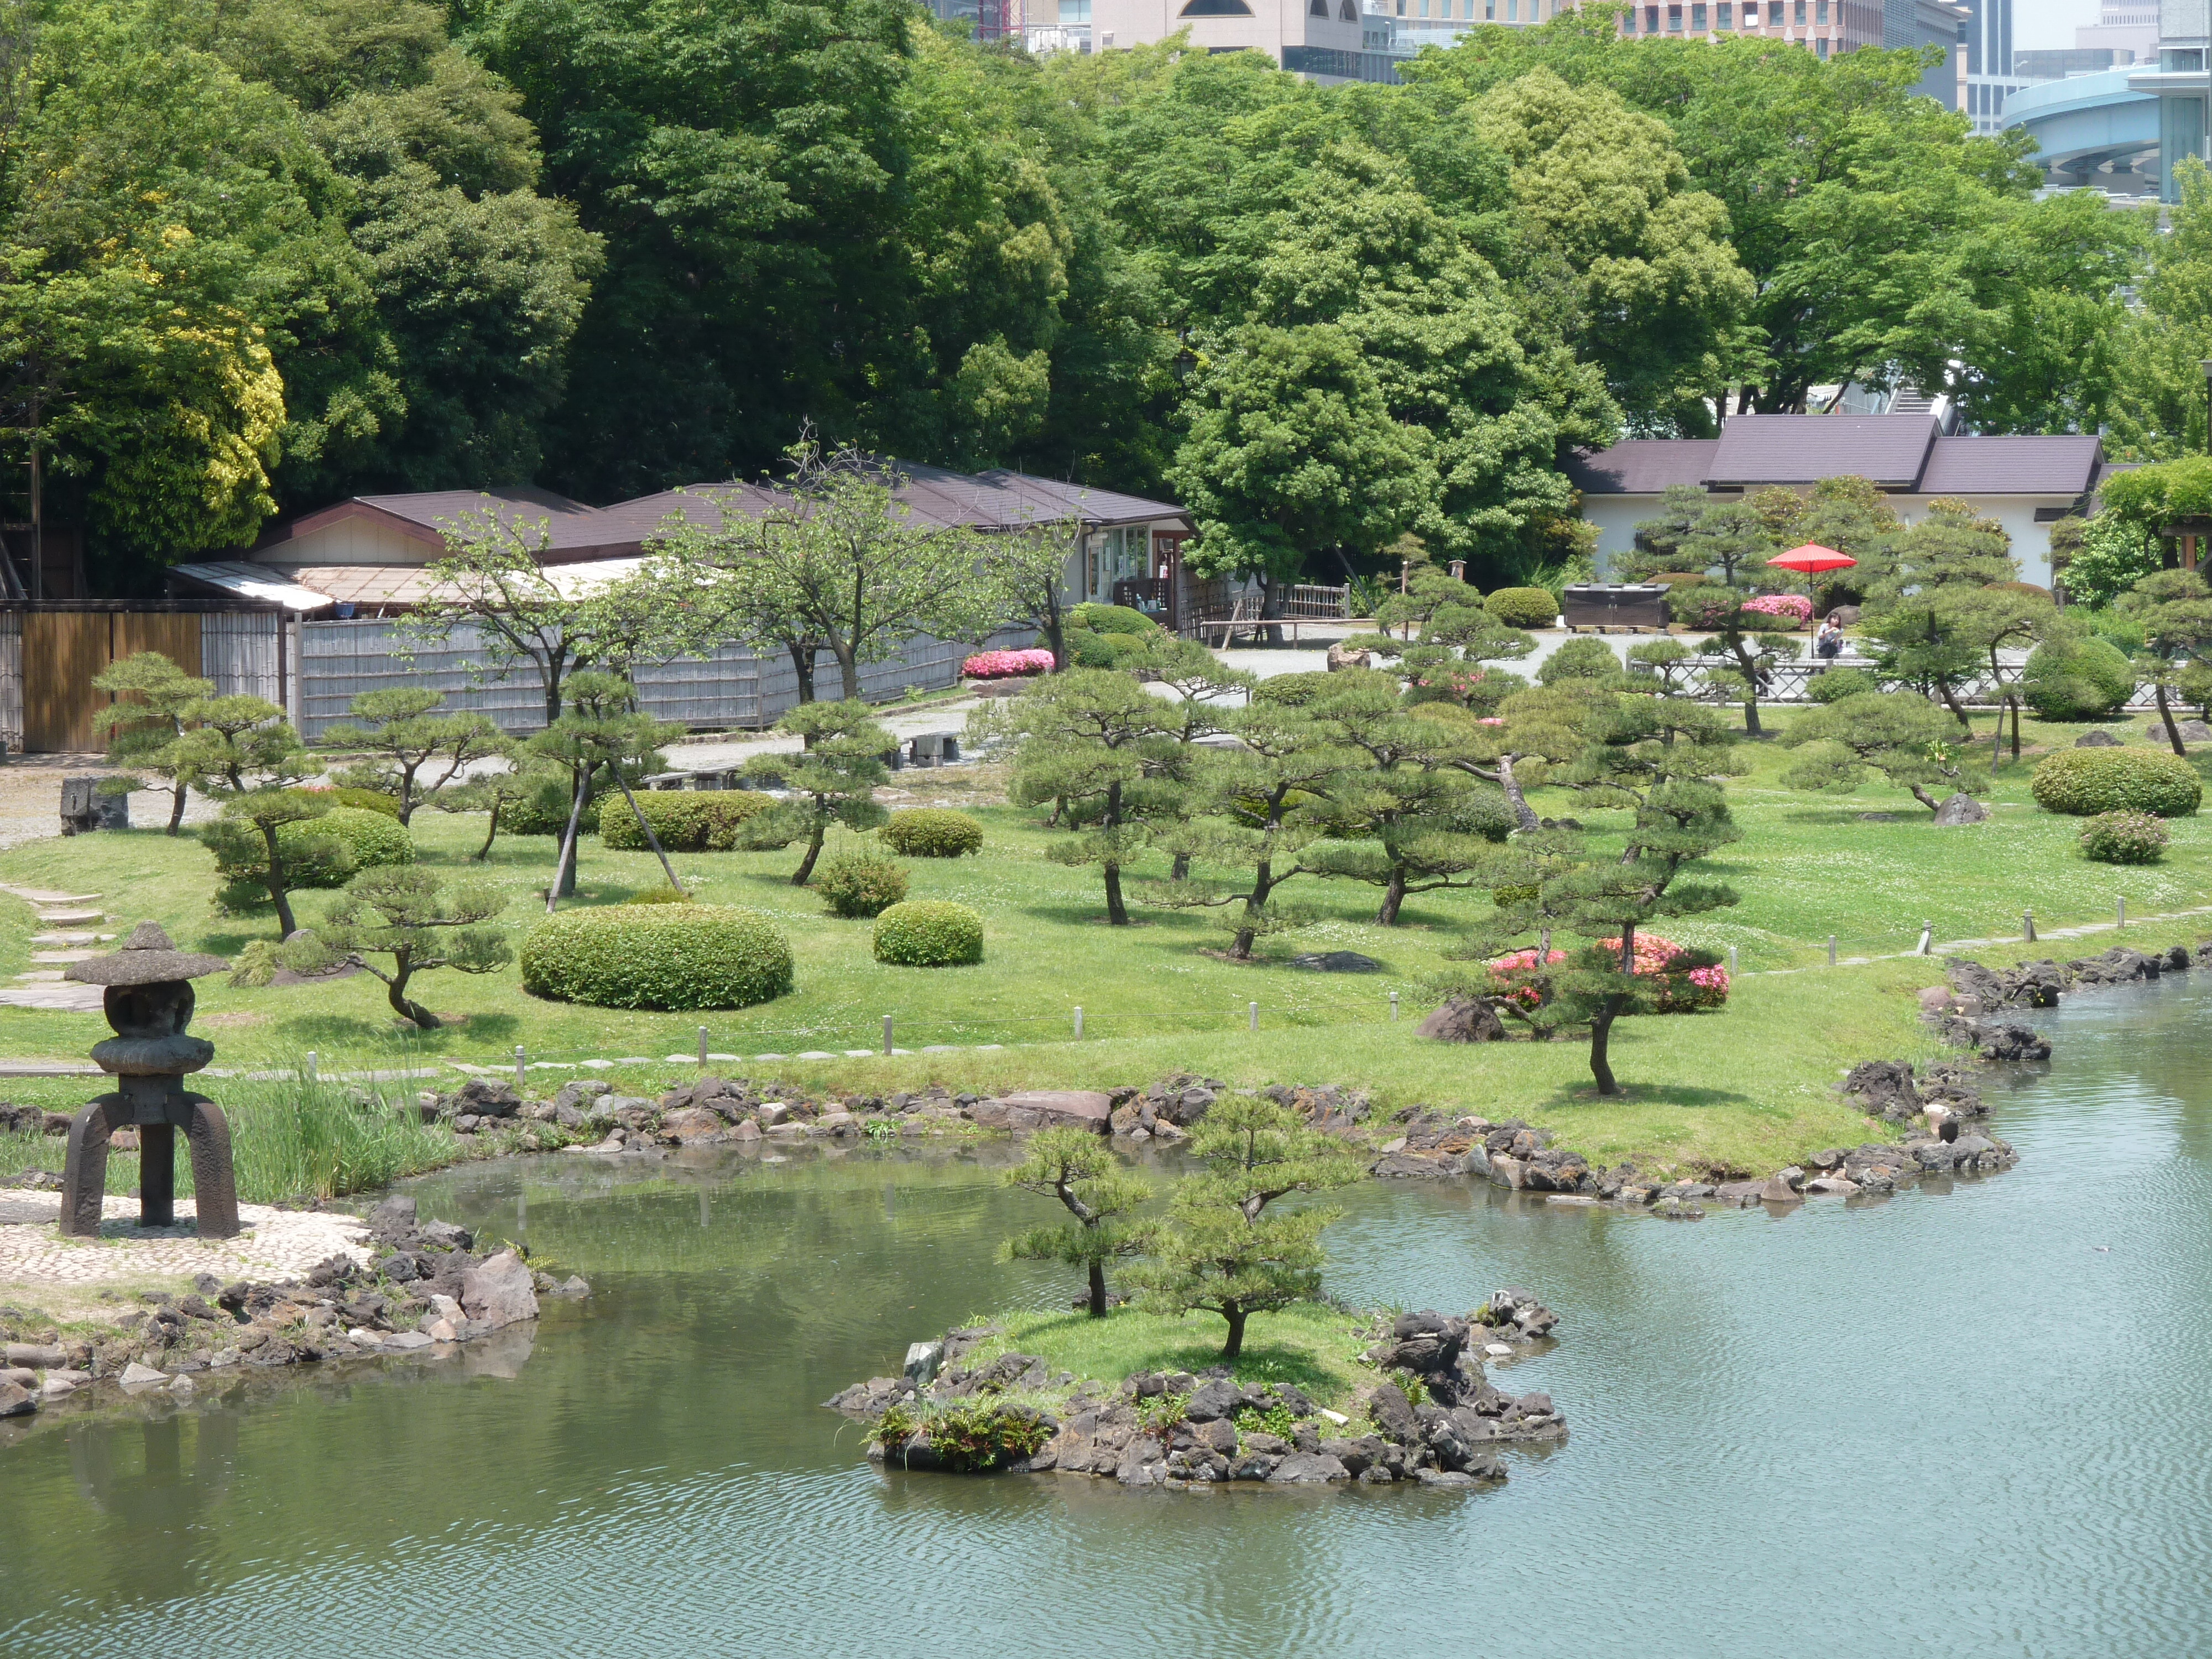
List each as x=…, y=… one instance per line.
x=407, y=1286
x=1430, y=1416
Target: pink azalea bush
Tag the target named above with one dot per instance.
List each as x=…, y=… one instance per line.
x=1688, y=988
x=1795, y=606
x=1006, y=665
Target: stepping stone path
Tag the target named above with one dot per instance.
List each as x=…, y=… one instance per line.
x=47, y=990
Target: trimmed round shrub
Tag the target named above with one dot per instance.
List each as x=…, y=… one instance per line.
x=686, y=820
x=2124, y=838
x=859, y=884
x=1523, y=607
x=929, y=934
x=1111, y=619
x=545, y=812
x=2082, y=782
x=2076, y=679
x=370, y=836
x=1834, y=684
x=931, y=832
x=675, y=956
x=1579, y=659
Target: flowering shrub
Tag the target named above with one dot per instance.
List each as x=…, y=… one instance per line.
x=1798, y=608
x=1689, y=984
x=2124, y=838
x=1006, y=665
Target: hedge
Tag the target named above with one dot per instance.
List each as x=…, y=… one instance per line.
x=371, y=837
x=933, y=832
x=675, y=956
x=546, y=813
x=2077, y=679
x=1523, y=607
x=1112, y=619
x=929, y=934
x=368, y=801
x=2082, y=782
x=686, y=820
x=859, y=884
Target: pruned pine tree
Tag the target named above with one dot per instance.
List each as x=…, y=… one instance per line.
x=1076, y=1168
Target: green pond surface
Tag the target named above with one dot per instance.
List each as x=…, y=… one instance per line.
x=1964, y=1422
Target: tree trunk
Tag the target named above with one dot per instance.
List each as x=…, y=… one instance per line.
x=1601, y=1035
x=1394, y=895
x=407, y=792
x=651, y=840
x=2166, y=714
x=1055, y=636
x=802, y=665
x=402, y=1004
x=804, y=873
x=1511, y=786
x=1255, y=902
x=1117, y=913
x=564, y=875
x=2015, y=701
x=848, y=666
x=1924, y=798
x=1235, y=1316
x=1180, y=869
x=1750, y=665
x=176, y=807
x=274, y=880
x=491, y=830
x=1098, y=1290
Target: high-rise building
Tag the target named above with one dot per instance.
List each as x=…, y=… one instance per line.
x=1325, y=40
x=1989, y=73
x=2126, y=28
x=1828, y=27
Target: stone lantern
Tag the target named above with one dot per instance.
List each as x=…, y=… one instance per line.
x=149, y=1001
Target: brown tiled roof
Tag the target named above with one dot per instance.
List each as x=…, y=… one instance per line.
x=1785, y=449
x=2022, y=465
x=1641, y=466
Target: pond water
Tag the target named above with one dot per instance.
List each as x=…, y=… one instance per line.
x=1965, y=1422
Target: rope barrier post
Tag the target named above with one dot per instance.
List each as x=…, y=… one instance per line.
x=1253, y=1010
x=1393, y=1005
x=1734, y=966
x=521, y=1064
x=887, y=1034
x=2124, y=912
x=1079, y=1022
x=311, y=1065
x=2027, y=925
x=703, y=1045
x=1927, y=938
x=1832, y=950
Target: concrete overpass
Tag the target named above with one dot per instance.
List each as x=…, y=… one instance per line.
x=2088, y=123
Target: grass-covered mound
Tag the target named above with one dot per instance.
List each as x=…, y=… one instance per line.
x=685, y=820
x=658, y=955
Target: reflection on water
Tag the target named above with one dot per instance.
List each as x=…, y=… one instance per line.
x=1968, y=1422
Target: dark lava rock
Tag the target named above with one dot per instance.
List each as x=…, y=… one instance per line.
x=1463, y=1020
x=1393, y=1414
x=2099, y=739
x=1337, y=961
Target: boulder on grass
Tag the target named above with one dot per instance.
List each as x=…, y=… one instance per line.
x=1960, y=808
x=1464, y=1020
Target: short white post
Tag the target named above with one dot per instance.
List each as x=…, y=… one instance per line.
x=1832, y=950
x=1079, y=1022
x=2123, y=910
x=1734, y=966
x=311, y=1065
x=1393, y=1005
x=2027, y=925
x=521, y=1066
x=1927, y=938
x=887, y=1034
x=1253, y=1011
x=703, y=1045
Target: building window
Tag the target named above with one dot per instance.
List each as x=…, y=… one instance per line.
x=1774, y=14
x=1821, y=11
x=1651, y=20
x=1490, y=10
x=1697, y=18
x=1674, y=20
x=1820, y=47
x=1724, y=15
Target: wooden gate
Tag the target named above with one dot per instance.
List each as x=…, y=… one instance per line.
x=62, y=650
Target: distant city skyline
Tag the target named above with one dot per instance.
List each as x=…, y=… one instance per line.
x=2046, y=25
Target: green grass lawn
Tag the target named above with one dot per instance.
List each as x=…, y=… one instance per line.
x=1315, y=1347
x=1747, y=1088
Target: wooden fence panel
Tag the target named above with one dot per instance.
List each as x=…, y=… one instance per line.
x=62, y=651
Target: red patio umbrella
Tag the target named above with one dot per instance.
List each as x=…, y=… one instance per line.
x=1811, y=558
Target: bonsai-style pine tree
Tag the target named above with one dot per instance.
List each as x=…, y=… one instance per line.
x=602, y=731
x=1221, y=1251
x=143, y=733
x=1092, y=740
x=493, y=794
x=833, y=780
x=414, y=752
x=2175, y=610
x=243, y=751
x=406, y=912
x=1076, y=1167
x=1900, y=735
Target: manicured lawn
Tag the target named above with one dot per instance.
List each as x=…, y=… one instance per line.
x=1748, y=1088
x=1315, y=1347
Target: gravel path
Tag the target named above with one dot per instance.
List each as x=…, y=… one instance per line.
x=35, y=1259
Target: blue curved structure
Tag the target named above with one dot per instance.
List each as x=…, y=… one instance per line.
x=2086, y=121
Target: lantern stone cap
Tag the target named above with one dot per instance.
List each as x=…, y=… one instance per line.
x=147, y=958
